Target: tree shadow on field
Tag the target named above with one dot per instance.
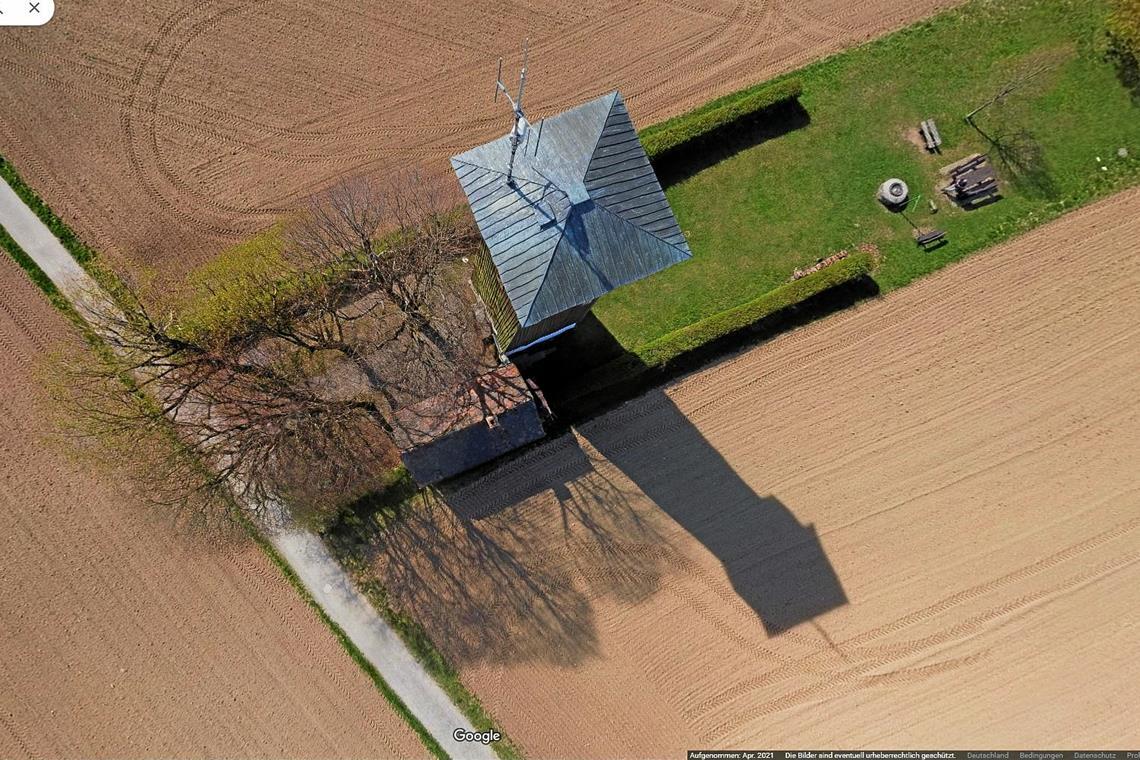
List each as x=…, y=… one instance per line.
x=1022, y=157
x=506, y=569
x=509, y=568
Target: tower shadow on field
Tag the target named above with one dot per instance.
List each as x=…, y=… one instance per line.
x=776, y=564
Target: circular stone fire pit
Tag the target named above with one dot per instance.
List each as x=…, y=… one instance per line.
x=894, y=193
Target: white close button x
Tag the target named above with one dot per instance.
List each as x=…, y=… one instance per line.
x=26, y=12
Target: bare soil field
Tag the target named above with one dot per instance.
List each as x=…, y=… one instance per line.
x=913, y=524
x=166, y=131
x=122, y=637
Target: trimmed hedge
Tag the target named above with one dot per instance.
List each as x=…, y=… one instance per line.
x=668, y=347
x=661, y=138
x=653, y=362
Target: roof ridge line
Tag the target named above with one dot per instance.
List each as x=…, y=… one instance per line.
x=614, y=95
x=546, y=273
x=494, y=171
x=562, y=233
x=651, y=234
x=615, y=215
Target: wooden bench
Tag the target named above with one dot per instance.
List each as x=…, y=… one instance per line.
x=929, y=131
x=974, y=177
x=980, y=196
x=925, y=239
x=984, y=186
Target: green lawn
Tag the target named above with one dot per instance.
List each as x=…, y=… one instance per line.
x=785, y=202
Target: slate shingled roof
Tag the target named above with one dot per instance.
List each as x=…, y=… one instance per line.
x=584, y=215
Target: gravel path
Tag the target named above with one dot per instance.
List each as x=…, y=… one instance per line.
x=39, y=243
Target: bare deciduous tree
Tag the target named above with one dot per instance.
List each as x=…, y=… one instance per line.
x=1019, y=80
x=371, y=313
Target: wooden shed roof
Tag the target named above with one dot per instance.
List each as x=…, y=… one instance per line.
x=492, y=393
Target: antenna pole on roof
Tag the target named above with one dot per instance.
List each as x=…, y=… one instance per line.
x=522, y=74
x=516, y=107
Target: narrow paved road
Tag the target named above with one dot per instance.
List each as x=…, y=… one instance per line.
x=321, y=575
x=39, y=243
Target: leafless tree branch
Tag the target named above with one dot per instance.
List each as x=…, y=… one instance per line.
x=371, y=315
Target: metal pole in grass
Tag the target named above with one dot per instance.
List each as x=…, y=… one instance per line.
x=903, y=214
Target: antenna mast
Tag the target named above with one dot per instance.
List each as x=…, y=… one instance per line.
x=516, y=106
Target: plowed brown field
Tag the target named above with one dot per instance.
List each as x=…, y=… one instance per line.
x=165, y=131
x=914, y=523
x=120, y=637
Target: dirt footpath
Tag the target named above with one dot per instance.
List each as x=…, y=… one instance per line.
x=916, y=523
x=122, y=637
x=165, y=131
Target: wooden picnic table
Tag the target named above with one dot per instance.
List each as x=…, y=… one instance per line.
x=972, y=181
x=976, y=177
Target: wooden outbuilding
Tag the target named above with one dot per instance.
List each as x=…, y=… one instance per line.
x=459, y=429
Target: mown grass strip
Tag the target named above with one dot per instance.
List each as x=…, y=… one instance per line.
x=357, y=656
x=422, y=647
x=40, y=279
x=76, y=247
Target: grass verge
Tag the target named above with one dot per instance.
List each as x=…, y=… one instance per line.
x=76, y=247
x=37, y=275
x=357, y=656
